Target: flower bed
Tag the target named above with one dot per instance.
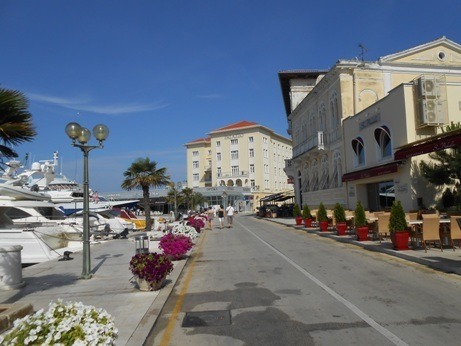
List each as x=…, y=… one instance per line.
x=175, y=245
x=152, y=267
x=185, y=230
x=70, y=323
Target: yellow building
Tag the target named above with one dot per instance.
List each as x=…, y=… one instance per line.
x=359, y=129
x=245, y=160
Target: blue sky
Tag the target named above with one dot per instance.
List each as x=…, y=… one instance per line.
x=162, y=73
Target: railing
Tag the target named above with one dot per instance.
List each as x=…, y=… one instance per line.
x=233, y=174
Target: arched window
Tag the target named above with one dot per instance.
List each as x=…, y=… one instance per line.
x=359, y=151
x=324, y=179
x=383, y=139
x=322, y=118
x=336, y=179
x=315, y=176
x=334, y=114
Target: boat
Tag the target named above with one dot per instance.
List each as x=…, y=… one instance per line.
x=22, y=223
x=67, y=194
x=104, y=222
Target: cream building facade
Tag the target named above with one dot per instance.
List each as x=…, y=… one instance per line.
x=245, y=159
x=360, y=128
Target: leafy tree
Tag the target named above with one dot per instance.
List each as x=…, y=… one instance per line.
x=306, y=212
x=322, y=213
x=445, y=167
x=15, y=121
x=175, y=197
x=397, y=221
x=143, y=174
x=196, y=199
x=360, y=219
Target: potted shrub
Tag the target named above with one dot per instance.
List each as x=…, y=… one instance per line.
x=398, y=227
x=340, y=219
x=322, y=217
x=150, y=270
x=175, y=246
x=360, y=222
x=307, y=216
x=297, y=215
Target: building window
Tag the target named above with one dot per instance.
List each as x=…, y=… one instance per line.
x=218, y=143
x=235, y=170
x=195, y=177
x=252, y=153
x=383, y=139
x=195, y=153
x=252, y=168
x=234, y=155
x=218, y=172
x=358, y=147
x=252, y=183
x=266, y=153
x=234, y=141
x=195, y=164
x=250, y=139
x=218, y=156
x=265, y=140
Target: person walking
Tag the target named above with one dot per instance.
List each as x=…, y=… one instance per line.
x=230, y=215
x=210, y=215
x=221, y=216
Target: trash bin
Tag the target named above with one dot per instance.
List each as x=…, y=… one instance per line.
x=11, y=268
x=141, y=244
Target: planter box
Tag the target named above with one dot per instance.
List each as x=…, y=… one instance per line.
x=323, y=226
x=341, y=228
x=362, y=233
x=299, y=221
x=400, y=240
x=308, y=222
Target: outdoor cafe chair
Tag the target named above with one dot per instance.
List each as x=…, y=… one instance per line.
x=383, y=225
x=455, y=230
x=430, y=231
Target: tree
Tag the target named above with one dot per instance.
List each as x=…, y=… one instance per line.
x=15, y=121
x=143, y=174
x=445, y=167
x=197, y=199
x=187, y=193
x=175, y=198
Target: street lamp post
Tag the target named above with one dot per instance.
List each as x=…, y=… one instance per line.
x=224, y=199
x=83, y=135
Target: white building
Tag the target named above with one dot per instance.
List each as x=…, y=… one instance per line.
x=245, y=159
x=360, y=128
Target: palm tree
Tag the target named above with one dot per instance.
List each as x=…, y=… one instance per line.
x=175, y=198
x=15, y=121
x=197, y=199
x=143, y=174
x=187, y=193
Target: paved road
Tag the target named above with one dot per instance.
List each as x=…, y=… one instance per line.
x=261, y=283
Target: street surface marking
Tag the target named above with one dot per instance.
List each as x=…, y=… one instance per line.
x=379, y=328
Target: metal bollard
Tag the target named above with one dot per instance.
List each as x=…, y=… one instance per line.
x=141, y=244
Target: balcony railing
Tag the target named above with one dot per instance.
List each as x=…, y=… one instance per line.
x=238, y=174
x=318, y=141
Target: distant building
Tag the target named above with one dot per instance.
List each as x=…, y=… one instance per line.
x=360, y=129
x=238, y=164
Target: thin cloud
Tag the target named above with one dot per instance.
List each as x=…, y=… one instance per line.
x=84, y=105
x=210, y=96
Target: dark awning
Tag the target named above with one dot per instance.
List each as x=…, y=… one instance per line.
x=442, y=141
x=371, y=172
x=278, y=197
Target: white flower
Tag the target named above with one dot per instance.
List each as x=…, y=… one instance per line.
x=59, y=323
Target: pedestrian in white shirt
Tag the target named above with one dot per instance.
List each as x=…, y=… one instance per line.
x=230, y=215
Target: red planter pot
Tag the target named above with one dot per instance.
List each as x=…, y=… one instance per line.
x=362, y=233
x=400, y=240
x=341, y=228
x=308, y=222
x=323, y=226
x=299, y=221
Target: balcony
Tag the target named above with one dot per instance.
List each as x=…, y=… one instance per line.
x=319, y=141
x=240, y=174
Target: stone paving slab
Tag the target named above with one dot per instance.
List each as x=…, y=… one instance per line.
x=110, y=287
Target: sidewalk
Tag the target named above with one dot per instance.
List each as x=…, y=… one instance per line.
x=447, y=261
x=110, y=288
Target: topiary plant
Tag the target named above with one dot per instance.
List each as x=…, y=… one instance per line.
x=360, y=219
x=322, y=213
x=296, y=211
x=306, y=212
x=339, y=213
x=397, y=221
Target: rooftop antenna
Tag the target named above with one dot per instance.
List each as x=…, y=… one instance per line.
x=362, y=53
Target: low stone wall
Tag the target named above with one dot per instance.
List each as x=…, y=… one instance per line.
x=10, y=312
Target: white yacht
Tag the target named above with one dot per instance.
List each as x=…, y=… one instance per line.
x=65, y=193
x=22, y=223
